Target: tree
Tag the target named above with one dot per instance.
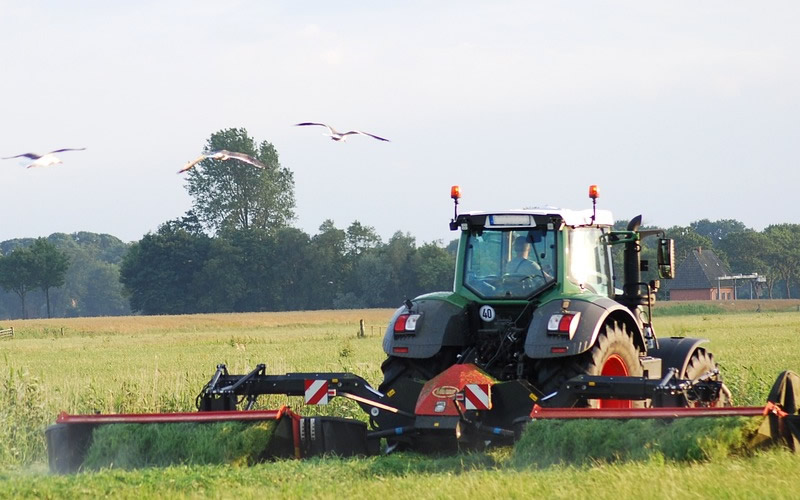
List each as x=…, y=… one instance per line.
x=718, y=230
x=434, y=268
x=783, y=252
x=361, y=238
x=221, y=279
x=158, y=272
x=329, y=266
x=49, y=267
x=400, y=255
x=16, y=274
x=229, y=194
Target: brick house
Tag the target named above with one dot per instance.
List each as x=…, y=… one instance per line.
x=696, y=278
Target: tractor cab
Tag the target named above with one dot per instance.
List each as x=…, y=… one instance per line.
x=521, y=254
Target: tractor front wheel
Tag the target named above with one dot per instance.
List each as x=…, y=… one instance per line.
x=701, y=363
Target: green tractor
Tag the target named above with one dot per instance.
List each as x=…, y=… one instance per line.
x=537, y=299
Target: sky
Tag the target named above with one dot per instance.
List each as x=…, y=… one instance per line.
x=678, y=110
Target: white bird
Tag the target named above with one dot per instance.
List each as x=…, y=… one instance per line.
x=44, y=160
x=223, y=154
x=340, y=136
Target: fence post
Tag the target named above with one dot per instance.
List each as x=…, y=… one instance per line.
x=361, y=332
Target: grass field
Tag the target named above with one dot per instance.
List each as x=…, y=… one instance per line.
x=149, y=364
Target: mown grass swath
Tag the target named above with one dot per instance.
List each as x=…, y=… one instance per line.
x=129, y=446
x=548, y=442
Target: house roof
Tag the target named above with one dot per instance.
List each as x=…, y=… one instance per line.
x=699, y=270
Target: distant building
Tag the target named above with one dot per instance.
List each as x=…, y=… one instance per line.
x=697, y=278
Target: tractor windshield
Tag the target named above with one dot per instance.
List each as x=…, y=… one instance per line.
x=509, y=263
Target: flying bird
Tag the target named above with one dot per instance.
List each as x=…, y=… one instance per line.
x=44, y=160
x=340, y=136
x=223, y=154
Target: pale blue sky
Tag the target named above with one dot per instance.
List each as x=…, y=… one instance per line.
x=679, y=110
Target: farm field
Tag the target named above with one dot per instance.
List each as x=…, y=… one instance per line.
x=151, y=364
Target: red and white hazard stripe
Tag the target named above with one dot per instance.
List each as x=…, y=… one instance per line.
x=478, y=396
x=316, y=392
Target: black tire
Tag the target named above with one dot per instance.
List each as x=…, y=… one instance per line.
x=700, y=364
x=418, y=369
x=395, y=371
x=613, y=353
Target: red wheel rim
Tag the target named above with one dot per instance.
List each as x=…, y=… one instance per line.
x=614, y=367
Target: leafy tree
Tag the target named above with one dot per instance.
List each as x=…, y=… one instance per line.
x=361, y=238
x=17, y=275
x=253, y=259
x=158, y=272
x=718, y=230
x=103, y=294
x=783, y=251
x=372, y=280
x=229, y=194
x=434, y=268
x=328, y=264
x=49, y=267
x=290, y=270
x=400, y=255
x=221, y=279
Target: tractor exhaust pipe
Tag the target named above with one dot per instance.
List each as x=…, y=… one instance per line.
x=632, y=290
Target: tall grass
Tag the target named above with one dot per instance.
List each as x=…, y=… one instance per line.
x=23, y=417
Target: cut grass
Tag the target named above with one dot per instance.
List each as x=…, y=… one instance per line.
x=133, y=446
x=585, y=441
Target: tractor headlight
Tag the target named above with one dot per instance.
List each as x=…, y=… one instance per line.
x=565, y=323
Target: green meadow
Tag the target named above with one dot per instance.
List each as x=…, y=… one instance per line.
x=155, y=364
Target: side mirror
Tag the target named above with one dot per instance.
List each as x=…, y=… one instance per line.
x=666, y=258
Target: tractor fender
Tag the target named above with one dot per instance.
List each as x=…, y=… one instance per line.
x=441, y=323
x=539, y=343
x=675, y=352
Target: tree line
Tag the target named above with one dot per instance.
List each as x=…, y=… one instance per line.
x=236, y=250
x=63, y=275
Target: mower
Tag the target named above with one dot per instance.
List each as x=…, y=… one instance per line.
x=534, y=328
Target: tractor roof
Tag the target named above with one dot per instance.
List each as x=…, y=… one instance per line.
x=570, y=217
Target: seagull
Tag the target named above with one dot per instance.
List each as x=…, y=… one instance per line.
x=340, y=136
x=223, y=154
x=44, y=160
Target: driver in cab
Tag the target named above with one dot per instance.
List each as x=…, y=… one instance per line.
x=520, y=264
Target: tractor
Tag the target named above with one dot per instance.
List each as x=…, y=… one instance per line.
x=538, y=300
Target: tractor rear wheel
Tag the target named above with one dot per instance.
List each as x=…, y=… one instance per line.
x=613, y=354
x=395, y=367
x=700, y=364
